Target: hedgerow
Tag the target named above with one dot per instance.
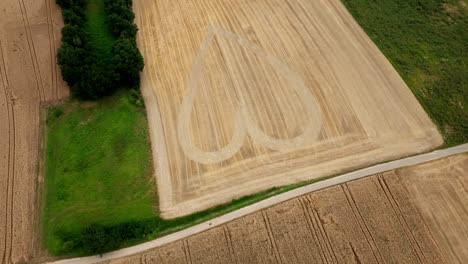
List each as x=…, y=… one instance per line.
x=89, y=71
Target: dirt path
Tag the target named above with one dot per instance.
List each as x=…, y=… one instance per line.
x=29, y=35
x=374, y=219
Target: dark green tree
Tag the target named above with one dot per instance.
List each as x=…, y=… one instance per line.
x=72, y=61
x=89, y=73
x=127, y=62
x=73, y=16
x=74, y=35
x=95, y=239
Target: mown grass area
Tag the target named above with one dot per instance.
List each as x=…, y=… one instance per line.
x=427, y=42
x=98, y=169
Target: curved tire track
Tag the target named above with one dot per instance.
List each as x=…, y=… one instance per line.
x=53, y=48
x=8, y=239
x=23, y=92
x=32, y=51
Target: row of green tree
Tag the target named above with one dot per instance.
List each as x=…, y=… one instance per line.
x=99, y=239
x=88, y=72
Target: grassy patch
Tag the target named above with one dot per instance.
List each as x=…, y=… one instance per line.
x=427, y=42
x=98, y=169
x=97, y=27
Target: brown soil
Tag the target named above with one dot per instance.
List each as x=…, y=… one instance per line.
x=170, y=254
x=250, y=240
x=345, y=235
x=410, y=215
x=29, y=35
x=440, y=192
x=246, y=95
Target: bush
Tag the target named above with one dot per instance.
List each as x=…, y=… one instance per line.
x=135, y=98
x=53, y=114
x=75, y=36
x=127, y=62
x=95, y=239
x=98, y=239
x=73, y=63
x=69, y=4
x=73, y=17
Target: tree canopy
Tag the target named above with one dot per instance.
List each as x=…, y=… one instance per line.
x=90, y=73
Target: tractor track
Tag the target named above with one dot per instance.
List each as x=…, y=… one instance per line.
x=32, y=50
x=53, y=48
x=11, y=162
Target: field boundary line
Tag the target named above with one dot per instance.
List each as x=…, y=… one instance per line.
x=355, y=175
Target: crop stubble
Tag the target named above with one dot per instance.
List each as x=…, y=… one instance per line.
x=410, y=215
x=344, y=233
x=250, y=240
x=29, y=35
x=170, y=254
x=440, y=191
x=246, y=95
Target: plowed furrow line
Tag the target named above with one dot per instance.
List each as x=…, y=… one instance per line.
x=32, y=50
x=188, y=258
x=311, y=228
x=227, y=235
x=324, y=234
x=53, y=63
x=363, y=226
x=429, y=230
x=8, y=240
x=271, y=237
x=5, y=85
x=143, y=259
x=401, y=219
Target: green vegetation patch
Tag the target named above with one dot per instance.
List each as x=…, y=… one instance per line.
x=98, y=29
x=98, y=170
x=427, y=42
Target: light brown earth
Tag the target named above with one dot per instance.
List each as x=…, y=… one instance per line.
x=29, y=35
x=410, y=215
x=246, y=95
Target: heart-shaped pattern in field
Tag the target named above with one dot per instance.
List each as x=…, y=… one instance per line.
x=268, y=100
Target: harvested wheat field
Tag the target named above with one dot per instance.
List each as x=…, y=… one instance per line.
x=246, y=95
x=29, y=35
x=410, y=215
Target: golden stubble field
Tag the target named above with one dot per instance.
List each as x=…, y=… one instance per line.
x=29, y=75
x=409, y=215
x=246, y=95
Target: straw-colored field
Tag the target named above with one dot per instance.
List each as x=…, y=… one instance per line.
x=246, y=95
x=409, y=215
